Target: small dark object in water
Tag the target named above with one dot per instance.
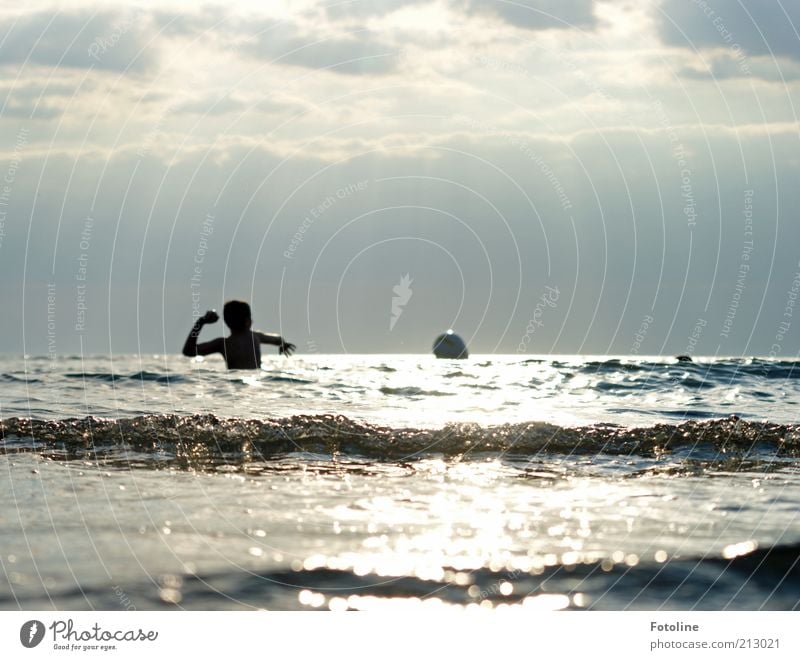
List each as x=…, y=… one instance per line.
x=684, y=358
x=450, y=346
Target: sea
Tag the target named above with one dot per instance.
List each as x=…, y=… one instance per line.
x=372, y=482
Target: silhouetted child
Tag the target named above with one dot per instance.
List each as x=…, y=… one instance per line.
x=242, y=349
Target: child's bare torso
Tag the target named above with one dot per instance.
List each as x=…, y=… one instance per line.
x=242, y=350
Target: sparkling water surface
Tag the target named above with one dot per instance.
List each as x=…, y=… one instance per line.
x=409, y=390
x=364, y=482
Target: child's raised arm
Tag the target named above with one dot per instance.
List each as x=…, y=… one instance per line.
x=191, y=348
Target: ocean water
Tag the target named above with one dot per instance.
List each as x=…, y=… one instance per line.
x=377, y=481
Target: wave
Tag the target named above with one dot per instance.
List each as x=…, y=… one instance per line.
x=218, y=438
x=145, y=376
x=11, y=378
x=763, y=579
x=766, y=578
x=413, y=391
x=269, y=378
x=723, y=370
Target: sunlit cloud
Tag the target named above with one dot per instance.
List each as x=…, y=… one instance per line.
x=82, y=39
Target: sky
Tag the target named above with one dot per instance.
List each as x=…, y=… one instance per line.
x=542, y=176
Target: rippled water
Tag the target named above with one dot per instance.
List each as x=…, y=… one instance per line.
x=394, y=481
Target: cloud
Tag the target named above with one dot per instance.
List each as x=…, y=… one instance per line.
x=294, y=41
x=538, y=14
x=357, y=53
x=19, y=110
x=367, y=8
x=211, y=105
x=724, y=67
x=758, y=27
x=38, y=100
x=78, y=39
x=191, y=23
x=214, y=104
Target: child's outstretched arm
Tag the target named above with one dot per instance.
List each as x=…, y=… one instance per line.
x=284, y=347
x=191, y=348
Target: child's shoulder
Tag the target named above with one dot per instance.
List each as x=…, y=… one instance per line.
x=242, y=336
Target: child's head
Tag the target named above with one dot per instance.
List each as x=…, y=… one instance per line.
x=237, y=315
